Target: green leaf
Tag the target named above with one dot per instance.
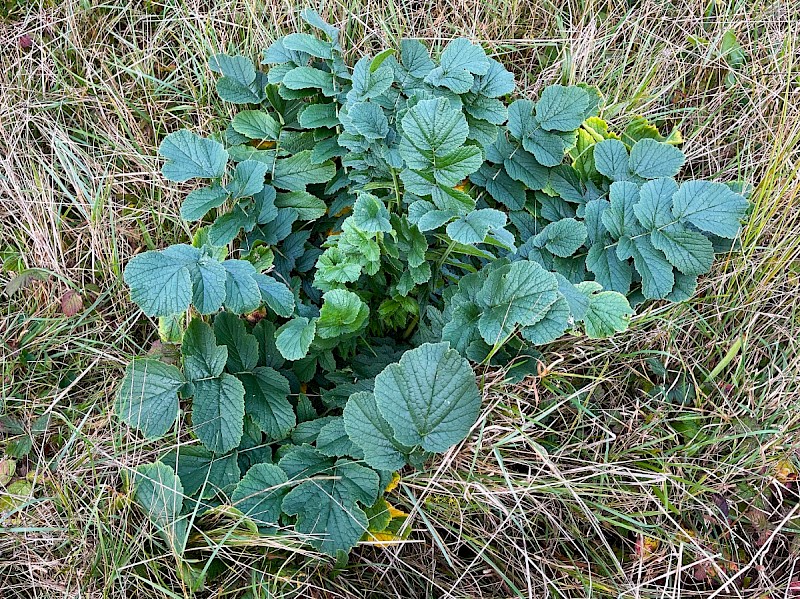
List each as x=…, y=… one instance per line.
x=160, y=494
x=561, y=108
x=451, y=169
x=429, y=398
x=266, y=401
x=147, y=398
x=256, y=124
x=463, y=54
x=522, y=166
x=495, y=83
x=295, y=172
x=188, y=155
x=563, y=237
x=309, y=207
x=611, y=159
x=231, y=90
x=654, y=209
x=651, y=264
x=248, y=179
x=218, y=412
x=198, y=203
x=238, y=67
x=611, y=272
x=260, y=493
x=199, y=469
x=242, y=294
x=303, y=42
x=415, y=58
x=369, y=430
x=294, y=338
x=500, y=186
x=160, y=285
x=332, y=440
x=519, y=294
x=276, y=295
x=313, y=18
x=690, y=252
x=314, y=116
x=229, y=331
x=342, y=312
x=652, y=159
x=487, y=109
x=376, y=62
x=474, y=227
x=202, y=358
x=619, y=218
x=369, y=84
x=300, y=78
x=549, y=147
x=608, y=312
x=327, y=508
x=369, y=120
x=434, y=126
x=711, y=207
x=370, y=215
x=551, y=327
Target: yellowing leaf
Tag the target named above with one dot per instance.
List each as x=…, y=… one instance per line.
x=394, y=482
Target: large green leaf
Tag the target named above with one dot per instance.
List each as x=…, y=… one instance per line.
x=369, y=119
x=200, y=201
x=160, y=285
x=329, y=508
x=652, y=159
x=474, y=227
x=563, y=237
x=294, y=338
x=619, y=218
x=332, y=440
x=189, y=155
x=147, y=399
x=202, y=358
x=519, y=294
x=199, y=469
x=654, y=208
x=242, y=293
x=690, y=252
x=368, y=83
x=247, y=180
x=260, y=493
x=430, y=398
x=160, y=494
x=608, y=312
x=370, y=215
x=523, y=166
x=435, y=126
x=218, y=412
x=266, y=401
x=229, y=331
x=711, y=207
x=342, y=312
x=297, y=171
x=611, y=159
x=500, y=186
x=651, y=264
x=256, y=124
x=561, y=108
x=369, y=430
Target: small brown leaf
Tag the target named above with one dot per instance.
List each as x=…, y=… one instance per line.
x=25, y=42
x=71, y=303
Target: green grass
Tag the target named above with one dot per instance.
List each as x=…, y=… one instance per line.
x=565, y=471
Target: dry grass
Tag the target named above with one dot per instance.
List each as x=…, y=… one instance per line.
x=567, y=472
